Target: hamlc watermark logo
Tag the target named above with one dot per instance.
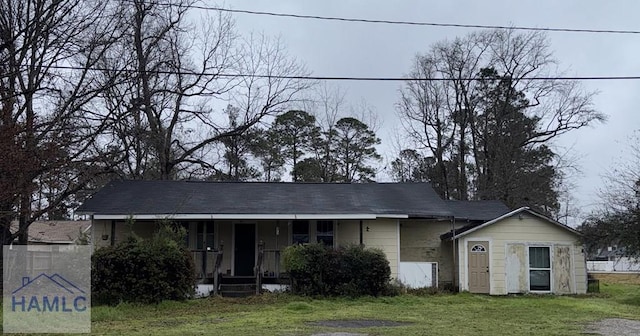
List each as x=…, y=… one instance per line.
x=46, y=288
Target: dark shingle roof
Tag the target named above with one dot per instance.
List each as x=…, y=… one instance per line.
x=196, y=197
x=477, y=210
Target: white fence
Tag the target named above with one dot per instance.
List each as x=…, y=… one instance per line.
x=620, y=265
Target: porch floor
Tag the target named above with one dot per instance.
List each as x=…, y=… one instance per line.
x=241, y=280
x=266, y=280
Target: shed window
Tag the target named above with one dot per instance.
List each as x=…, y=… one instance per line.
x=324, y=232
x=478, y=248
x=300, y=232
x=539, y=269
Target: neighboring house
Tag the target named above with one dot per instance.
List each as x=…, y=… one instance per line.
x=56, y=231
x=49, y=236
x=233, y=226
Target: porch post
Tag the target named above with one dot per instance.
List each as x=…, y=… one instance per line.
x=113, y=232
x=258, y=269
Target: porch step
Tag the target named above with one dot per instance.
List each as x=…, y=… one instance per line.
x=237, y=280
x=237, y=290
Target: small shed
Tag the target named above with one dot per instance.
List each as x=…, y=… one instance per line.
x=520, y=252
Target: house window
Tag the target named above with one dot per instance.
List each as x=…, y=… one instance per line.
x=200, y=236
x=205, y=236
x=209, y=236
x=300, y=232
x=324, y=232
x=539, y=269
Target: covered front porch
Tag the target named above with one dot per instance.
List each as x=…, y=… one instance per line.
x=243, y=251
x=247, y=248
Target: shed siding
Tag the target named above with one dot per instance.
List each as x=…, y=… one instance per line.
x=511, y=237
x=383, y=234
x=562, y=283
x=516, y=268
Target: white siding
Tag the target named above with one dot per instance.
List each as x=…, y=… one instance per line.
x=384, y=234
x=348, y=232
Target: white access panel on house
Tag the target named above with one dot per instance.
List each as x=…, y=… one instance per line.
x=419, y=274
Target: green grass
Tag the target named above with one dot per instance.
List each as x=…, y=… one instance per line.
x=439, y=314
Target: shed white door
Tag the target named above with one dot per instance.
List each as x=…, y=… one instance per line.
x=478, y=256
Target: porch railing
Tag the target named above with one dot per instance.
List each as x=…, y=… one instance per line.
x=207, y=264
x=271, y=263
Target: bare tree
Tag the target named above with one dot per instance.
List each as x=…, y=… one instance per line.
x=617, y=219
x=621, y=191
x=48, y=88
x=168, y=122
x=445, y=109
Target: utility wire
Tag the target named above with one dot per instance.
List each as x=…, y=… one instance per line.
x=348, y=78
x=410, y=23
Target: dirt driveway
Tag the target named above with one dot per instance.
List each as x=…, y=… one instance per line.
x=614, y=327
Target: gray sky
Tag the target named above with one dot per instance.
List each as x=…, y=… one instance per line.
x=331, y=48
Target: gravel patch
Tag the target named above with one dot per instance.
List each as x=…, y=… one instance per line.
x=614, y=327
x=359, y=323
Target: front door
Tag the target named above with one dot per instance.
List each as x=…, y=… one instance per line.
x=478, y=266
x=245, y=249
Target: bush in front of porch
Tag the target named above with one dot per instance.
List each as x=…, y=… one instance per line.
x=144, y=270
x=348, y=271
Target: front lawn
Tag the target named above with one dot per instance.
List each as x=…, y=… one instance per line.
x=442, y=314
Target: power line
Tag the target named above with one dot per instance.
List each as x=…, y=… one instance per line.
x=410, y=23
x=353, y=78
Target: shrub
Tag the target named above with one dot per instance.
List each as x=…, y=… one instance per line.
x=307, y=265
x=144, y=271
x=351, y=271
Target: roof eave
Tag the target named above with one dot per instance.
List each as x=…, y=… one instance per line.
x=512, y=213
x=244, y=216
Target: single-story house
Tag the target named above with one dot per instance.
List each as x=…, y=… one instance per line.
x=238, y=230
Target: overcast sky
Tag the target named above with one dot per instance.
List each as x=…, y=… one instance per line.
x=330, y=48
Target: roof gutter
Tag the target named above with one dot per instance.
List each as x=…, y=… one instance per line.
x=249, y=216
